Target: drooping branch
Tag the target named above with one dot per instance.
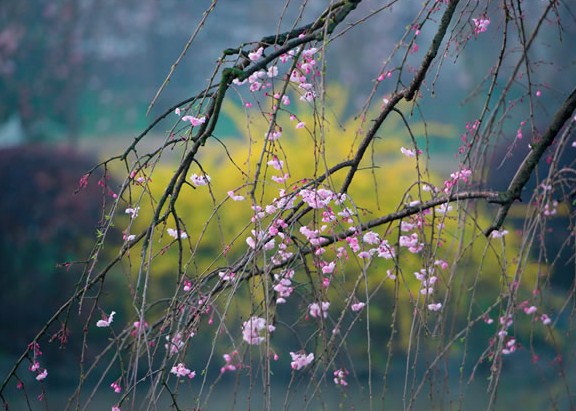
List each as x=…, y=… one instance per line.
x=407, y=93
x=527, y=167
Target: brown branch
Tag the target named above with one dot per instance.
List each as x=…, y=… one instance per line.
x=407, y=93
x=527, y=167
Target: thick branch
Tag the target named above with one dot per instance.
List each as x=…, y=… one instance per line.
x=531, y=161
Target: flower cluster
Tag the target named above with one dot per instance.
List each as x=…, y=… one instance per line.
x=301, y=360
x=254, y=329
x=480, y=25
x=233, y=362
x=180, y=370
x=340, y=377
x=318, y=310
x=41, y=373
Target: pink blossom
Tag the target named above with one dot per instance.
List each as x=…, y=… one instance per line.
x=317, y=310
x=301, y=360
x=385, y=250
x=105, y=322
x=195, y=121
x=200, y=180
x=309, y=53
x=309, y=96
x=407, y=152
x=329, y=268
x=276, y=163
x=510, y=347
x=256, y=55
x=174, y=344
x=340, y=377
x=139, y=328
x=435, y=307
x=226, y=275
x=301, y=125
x=357, y=306
x=180, y=370
x=499, y=234
x=480, y=25
x=272, y=71
x=116, y=408
x=443, y=264
x=174, y=233
x=530, y=310
x=235, y=197
x=406, y=226
x=371, y=238
x=133, y=212
x=42, y=375
x=177, y=111
x=545, y=319
x=274, y=135
x=251, y=243
x=116, y=387
x=444, y=208
x=253, y=329
x=232, y=362
x=364, y=254
x=285, y=100
x=280, y=179
x=284, y=289
x=409, y=241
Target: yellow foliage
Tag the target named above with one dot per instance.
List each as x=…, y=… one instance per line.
x=217, y=226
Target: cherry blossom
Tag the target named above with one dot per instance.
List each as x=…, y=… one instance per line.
x=530, y=310
x=371, y=238
x=133, y=212
x=499, y=234
x=195, y=121
x=253, y=329
x=481, y=25
x=301, y=360
x=276, y=163
x=256, y=55
x=105, y=322
x=174, y=233
x=509, y=347
x=200, y=180
x=42, y=376
x=233, y=362
x=444, y=208
x=435, y=307
x=180, y=370
x=357, y=306
x=116, y=387
x=317, y=310
x=235, y=197
x=340, y=377
x=274, y=135
x=407, y=152
x=174, y=344
x=272, y=71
